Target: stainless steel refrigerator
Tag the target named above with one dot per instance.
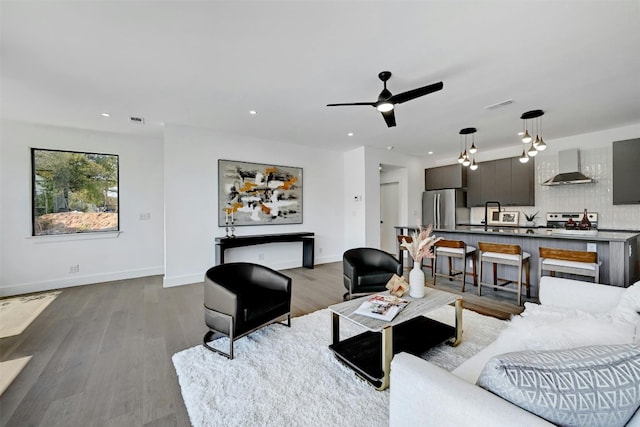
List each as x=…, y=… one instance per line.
x=445, y=208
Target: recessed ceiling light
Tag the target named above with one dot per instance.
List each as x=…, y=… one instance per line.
x=350, y=134
x=253, y=112
x=389, y=147
x=430, y=152
x=105, y=115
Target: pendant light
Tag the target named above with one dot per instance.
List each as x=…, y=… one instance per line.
x=536, y=145
x=540, y=146
x=460, y=157
x=526, y=138
x=467, y=160
x=473, y=149
x=524, y=158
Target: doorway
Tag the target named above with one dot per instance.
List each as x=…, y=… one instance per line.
x=389, y=215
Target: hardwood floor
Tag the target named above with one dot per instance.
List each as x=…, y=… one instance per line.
x=102, y=353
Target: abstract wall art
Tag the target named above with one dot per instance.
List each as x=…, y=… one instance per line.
x=258, y=194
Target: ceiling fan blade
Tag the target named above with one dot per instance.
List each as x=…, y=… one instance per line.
x=373, y=104
x=415, y=93
x=389, y=118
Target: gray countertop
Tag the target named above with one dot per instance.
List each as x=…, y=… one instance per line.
x=591, y=235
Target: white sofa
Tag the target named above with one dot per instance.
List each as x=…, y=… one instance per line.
x=422, y=394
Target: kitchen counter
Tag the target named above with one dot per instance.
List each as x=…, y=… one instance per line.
x=550, y=233
x=617, y=250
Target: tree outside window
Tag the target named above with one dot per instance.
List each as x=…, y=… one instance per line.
x=74, y=192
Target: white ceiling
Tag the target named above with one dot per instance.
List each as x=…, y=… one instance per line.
x=207, y=63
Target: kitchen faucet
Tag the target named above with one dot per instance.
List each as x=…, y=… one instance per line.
x=486, y=220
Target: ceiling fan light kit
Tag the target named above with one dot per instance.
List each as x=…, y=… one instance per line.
x=386, y=100
x=386, y=106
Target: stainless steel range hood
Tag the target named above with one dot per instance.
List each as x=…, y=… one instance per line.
x=569, y=170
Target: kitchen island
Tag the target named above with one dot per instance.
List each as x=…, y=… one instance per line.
x=617, y=250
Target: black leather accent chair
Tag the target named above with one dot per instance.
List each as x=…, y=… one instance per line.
x=242, y=297
x=367, y=270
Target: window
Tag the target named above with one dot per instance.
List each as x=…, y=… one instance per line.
x=74, y=192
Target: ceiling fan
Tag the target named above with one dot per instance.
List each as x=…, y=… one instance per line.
x=386, y=100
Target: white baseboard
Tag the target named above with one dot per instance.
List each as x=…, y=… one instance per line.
x=48, y=285
x=189, y=279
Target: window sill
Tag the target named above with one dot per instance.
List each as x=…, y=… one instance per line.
x=53, y=238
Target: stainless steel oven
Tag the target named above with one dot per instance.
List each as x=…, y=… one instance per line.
x=559, y=219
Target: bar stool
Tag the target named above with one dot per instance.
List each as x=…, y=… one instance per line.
x=455, y=249
x=402, y=250
x=582, y=263
x=506, y=254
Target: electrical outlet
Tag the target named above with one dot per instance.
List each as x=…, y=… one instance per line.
x=592, y=247
x=145, y=216
x=319, y=250
x=75, y=268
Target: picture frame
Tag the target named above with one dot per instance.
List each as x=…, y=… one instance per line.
x=493, y=216
x=258, y=193
x=509, y=218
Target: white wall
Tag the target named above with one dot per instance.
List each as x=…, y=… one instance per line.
x=362, y=177
x=353, y=198
x=596, y=159
x=191, y=195
x=30, y=264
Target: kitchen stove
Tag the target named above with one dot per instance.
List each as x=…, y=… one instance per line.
x=559, y=219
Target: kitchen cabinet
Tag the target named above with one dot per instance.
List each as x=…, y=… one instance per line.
x=523, y=177
x=474, y=187
x=626, y=155
x=504, y=180
x=451, y=176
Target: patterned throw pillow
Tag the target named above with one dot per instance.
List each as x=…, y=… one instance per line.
x=585, y=386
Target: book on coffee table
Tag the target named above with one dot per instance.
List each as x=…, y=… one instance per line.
x=382, y=307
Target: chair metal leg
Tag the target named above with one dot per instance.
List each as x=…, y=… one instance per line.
x=434, y=265
x=475, y=276
x=520, y=283
x=527, y=268
x=464, y=271
x=208, y=337
x=480, y=275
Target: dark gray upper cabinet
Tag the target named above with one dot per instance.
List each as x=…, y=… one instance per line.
x=504, y=180
x=626, y=157
x=523, y=177
x=474, y=187
x=452, y=176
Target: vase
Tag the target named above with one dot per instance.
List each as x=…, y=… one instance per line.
x=416, y=281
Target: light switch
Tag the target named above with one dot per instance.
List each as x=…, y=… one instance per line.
x=592, y=247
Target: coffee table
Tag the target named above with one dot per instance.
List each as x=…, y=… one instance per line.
x=369, y=354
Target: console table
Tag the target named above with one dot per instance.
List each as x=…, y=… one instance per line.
x=307, y=239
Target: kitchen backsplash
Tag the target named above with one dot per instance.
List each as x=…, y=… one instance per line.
x=596, y=163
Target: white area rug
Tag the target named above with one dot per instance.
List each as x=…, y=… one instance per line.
x=288, y=376
x=17, y=313
x=9, y=370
